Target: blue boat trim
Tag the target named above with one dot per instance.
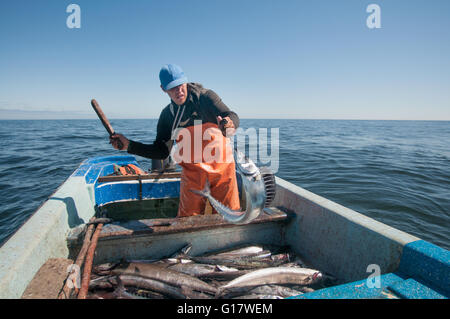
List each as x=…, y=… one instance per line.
x=354, y=290
x=411, y=289
x=428, y=264
x=106, y=193
x=423, y=273
x=95, y=167
x=113, y=192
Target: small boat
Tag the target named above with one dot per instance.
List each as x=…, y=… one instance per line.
x=367, y=258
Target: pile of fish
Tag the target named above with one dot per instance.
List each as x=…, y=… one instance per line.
x=251, y=272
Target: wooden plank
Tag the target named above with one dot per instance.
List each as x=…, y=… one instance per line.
x=119, y=178
x=176, y=225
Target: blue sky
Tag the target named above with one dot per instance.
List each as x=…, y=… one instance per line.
x=266, y=59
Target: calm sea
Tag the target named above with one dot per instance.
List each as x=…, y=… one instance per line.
x=397, y=172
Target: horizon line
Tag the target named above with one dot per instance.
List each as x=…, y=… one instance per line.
x=242, y=118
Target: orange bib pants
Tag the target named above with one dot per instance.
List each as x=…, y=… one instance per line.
x=205, y=154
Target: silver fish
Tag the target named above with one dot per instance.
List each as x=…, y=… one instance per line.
x=222, y=275
x=275, y=275
x=104, y=282
x=171, y=259
x=151, y=284
x=183, y=251
x=239, y=252
x=262, y=254
x=276, y=290
x=259, y=296
x=103, y=269
x=223, y=268
x=166, y=275
x=243, y=262
x=259, y=188
x=193, y=269
x=201, y=270
x=242, y=251
x=121, y=293
x=146, y=293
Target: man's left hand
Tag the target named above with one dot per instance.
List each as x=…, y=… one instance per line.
x=226, y=125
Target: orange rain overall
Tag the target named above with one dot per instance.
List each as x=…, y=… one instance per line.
x=212, y=160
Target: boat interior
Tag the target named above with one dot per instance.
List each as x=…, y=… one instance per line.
x=142, y=224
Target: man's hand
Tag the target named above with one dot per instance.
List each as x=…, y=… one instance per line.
x=118, y=140
x=226, y=125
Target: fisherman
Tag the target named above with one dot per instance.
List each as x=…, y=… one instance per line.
x=192, y=107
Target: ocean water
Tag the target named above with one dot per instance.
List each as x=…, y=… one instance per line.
x=397, y=172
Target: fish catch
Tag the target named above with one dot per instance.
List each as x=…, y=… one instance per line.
x=258, y=187
x=234, y=273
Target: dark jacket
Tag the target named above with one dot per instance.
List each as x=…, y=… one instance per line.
x=201, y=104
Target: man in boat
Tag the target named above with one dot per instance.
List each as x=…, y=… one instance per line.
x=192, y=108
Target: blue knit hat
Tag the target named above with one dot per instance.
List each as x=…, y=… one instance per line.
x=171, y=75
